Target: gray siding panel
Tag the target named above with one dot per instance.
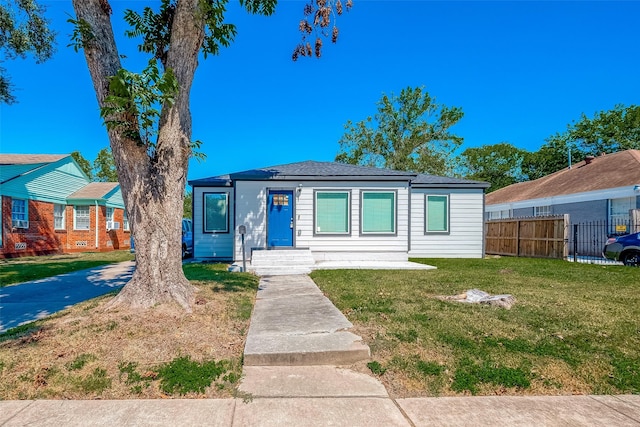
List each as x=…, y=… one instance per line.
x=595, y=210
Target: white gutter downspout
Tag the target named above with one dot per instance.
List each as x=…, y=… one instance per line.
x=96, y=224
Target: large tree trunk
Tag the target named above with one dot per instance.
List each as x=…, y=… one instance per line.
x=152, y=181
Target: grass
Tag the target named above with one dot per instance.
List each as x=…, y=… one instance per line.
x=573, y=330
x=18, y=270
x=86, y=352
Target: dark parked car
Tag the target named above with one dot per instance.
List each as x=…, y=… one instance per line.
x=624, y=248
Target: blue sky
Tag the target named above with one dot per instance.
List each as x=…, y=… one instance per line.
x=520, y=71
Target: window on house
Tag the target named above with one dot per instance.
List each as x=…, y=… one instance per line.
x=378, y=212
x=437, y=214
x=58, y=217
x=19, y=213
x=619, y=212
x=332, y=212
x=216, y=213
x=81, y=218
x=542, y=210
x=125, y=221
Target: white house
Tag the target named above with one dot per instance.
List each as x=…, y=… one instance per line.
x=338, y=212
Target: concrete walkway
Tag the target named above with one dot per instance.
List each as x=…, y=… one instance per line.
x=29, y=301
x=280, y=388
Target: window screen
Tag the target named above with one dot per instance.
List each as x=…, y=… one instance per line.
x=332, y=212
x=216, y=210
x=437, y=214
x=378, y=212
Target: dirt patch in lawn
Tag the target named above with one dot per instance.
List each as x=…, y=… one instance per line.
x=89, y=353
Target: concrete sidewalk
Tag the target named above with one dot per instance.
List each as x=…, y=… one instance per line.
x=29, y=301
x=610, y=411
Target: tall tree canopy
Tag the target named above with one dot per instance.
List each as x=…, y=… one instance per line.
x=500, y=164
x=83, y=163
x=606, y=132
x=149, y=121
x=23, y=30
x=409, y=132
x=105, y=167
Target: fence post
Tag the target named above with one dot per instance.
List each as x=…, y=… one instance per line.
x=575, y=242
x=634, y=215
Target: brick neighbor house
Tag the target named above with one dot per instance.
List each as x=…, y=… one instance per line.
x=48, y=205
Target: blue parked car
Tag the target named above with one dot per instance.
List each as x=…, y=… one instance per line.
x=624, y=248
x=187, y=239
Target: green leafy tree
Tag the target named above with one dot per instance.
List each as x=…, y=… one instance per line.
x=83, y=163
x=148, y=119
x=188, y=205
x=499, y=164
x=23, y=30
x=551, y=157
x=105, y=167
x=606, y=132
x=409, y=132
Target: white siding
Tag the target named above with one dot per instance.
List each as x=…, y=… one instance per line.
x=251, y=211
x=251, y=208
x=466, y=225
x=211, y=245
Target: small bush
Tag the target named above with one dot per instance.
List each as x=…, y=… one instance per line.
x=429, y=368
x=376, y=368
x=79, y=362
x=183, y=375
x=96, y=382
x=468, y=375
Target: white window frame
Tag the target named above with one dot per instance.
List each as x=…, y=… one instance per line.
x=621, y=214
x=542, y=210
x=21, y=214
x=363, y=212
x=319, y=232
x=447, y=230
x=125, y=221
x=59, y=222
x=205, y=226
x=110, y=213
x=88, y=217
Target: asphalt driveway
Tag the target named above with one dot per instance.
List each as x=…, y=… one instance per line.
x=29, y=301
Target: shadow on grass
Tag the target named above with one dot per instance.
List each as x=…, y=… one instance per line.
x=224, y=280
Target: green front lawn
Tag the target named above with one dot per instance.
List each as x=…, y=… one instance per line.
x=574, y=329
x=17, y=270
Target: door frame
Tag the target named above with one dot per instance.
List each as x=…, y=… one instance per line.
x=293, y=216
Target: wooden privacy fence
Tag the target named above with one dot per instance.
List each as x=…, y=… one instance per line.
x=540, y=237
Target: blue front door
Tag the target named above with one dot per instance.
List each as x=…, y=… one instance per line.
x=280, y=228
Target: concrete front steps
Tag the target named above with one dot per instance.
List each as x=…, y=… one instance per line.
x=277, y=262
x=294, y=324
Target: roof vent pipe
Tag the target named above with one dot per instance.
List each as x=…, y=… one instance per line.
x=588, y=159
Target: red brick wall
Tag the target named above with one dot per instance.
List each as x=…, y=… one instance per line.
x=41, y=238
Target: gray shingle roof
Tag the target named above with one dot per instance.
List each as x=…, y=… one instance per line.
x=332, y=171
x=309, y=170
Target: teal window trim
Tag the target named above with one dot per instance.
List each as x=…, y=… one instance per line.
x=437, y=217
x=215, y=213
x=374, y=221
x=328, y=203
